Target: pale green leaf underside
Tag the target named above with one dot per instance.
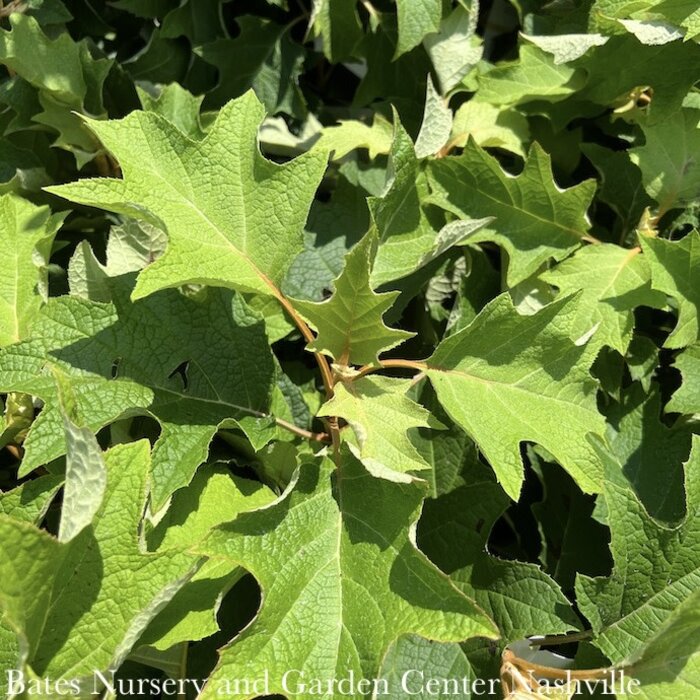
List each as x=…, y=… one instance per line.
x=26, y=235
x=380, y=416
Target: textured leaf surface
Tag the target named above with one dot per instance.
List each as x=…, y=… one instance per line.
x=411, y=660
x=213, y=498
x=669, y=665
x=86, y=473
x=658, y=67
x=675, y=269
x=29, y=501
x=123, y=358
x=621, y=185
x=613, y=282
x=406, y=234
x=535, y=75
x=241, y=233
x=48, y=590
x=668, y=159
x=344, y=540
x=349, y=323
x=650, y=453
x=76, y=87
x=687, y=398
x=380, y=415
x=264, y=60
x=350, y=135
x=656, y=568
x=26, y=235
x=339, y=25
x=416, y=19
x=534, y=219
x=454, y=49
x=519, y=596
x=490, y=126
x=436, y=126
x=494, y=378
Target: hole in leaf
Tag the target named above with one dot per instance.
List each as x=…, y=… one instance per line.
x=181, y=370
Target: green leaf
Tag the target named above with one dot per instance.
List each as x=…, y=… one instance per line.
x=668, y=160
x=572, y=540
x=262, y=58
x=86, y=473
x=122, y=359
x=20, y=169
x=653, y=66
x=349, y=324
x=534, y=219
x=144, y=8
x=650, y=453
x=652, y=32
x=60, y=597
x=25, y=246
x=494, y=379
x=76, y=87
x=350, y=134
x=29, y=501
x=613, y=282
x=656, y=567
x=406, y=234
x=566, y=48
x=449, y=452
x=669, y=665
x=346, y=538
x=12, y=657
x=333, y=228
x=131, y=246
x=213, y=498
x=520, y=597
x=414, y=662
x=437, y=124
x=381, y=416
x=87, y=277
x=687, y=398
x=685, y=13
x=160, y=61
x=534, y=76
x=167, y=181
x=455, y=49
x=339, y=26
x=416, y=19
x=675, y=267
x=621, y=185
x=490, y=126
x=177, y=105
x=199, y=21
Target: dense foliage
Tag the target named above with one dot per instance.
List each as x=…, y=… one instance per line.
x=349, y=338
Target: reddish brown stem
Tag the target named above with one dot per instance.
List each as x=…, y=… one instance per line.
x=391, y=364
